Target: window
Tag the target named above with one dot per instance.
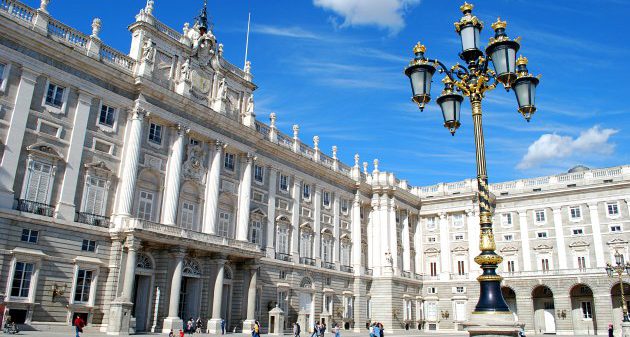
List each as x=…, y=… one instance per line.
x=540, y=215
x=4, y=75
x=431, y=239
x=327, y=249
x=282, y=275
x=508, y=237
x=460, y=290
x=326, y=199
x=187, y=220
x=541, y=235
x=55, y=95
x=431, y=290
x=155, y=133
x=22, y=276
x=587, y=311
x=344, y=205
x=306, y=245
x=145, y=205
x=94, y=196
x=615, y=228
x=544, y=264
x=107, y=116
x=29, y=235
x=284, y=183
x=432, y=311
x=88, y=246
x=433, y=268
x=577, y=231
x=193, y=141
x=102, y=146
x=581, y=262
x=458, y=220
x=461, y=268
x=255, y=232
x=575, y=212
x=38, y=183
x=506, y=219
x=458, y=237
x=225, y=225
x=282, y=241
x=460, y=311
x=327, y=280
x=228, y=161
x=511, y=266
x=306, y=192
x=259, y=173
x=345, y=254
x=84, y=283
x=282, y=300
x=431, y=223
x=612, y=209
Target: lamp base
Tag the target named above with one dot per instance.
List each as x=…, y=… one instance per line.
x=625, y=329
x=493, y=324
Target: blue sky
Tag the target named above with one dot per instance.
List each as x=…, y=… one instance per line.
x=335, y=68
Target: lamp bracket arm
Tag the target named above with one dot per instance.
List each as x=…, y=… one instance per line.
x=444, y=69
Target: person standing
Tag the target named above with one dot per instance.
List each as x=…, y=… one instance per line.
x=376, y=331
x=256, y=329
x=610, y=330
x=336, y=330
x=298, y=329
x=79, y=323
x=315, y=330
x=222, y=326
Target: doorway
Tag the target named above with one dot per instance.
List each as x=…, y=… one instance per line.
x=190, y=298
x=544, y=310
x=142, y=302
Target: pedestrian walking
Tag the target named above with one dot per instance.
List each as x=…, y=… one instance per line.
x=171, y=334
x=610, y=330
x=79, y=323
x=336, y=330
x=315, y=330
x=222, y=326
x=376, y=331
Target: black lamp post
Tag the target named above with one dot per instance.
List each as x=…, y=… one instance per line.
x=473, y=80
x=617, y=271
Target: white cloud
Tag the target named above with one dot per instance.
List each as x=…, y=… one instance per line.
x=552, y=147
x=291, y=32
x=382, y=13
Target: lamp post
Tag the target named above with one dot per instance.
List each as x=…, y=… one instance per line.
x=617, y=271
x=473, y=80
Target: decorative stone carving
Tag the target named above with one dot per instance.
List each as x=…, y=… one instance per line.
x=185, y=71
x=43, y=5
x=193, y=168
x=250, y=106
x=148, y=50
x=96, y=27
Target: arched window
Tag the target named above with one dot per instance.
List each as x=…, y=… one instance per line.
x=306, y=283
x=191, y=268
x=143, y=261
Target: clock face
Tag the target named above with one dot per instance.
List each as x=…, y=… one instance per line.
x=199, y=81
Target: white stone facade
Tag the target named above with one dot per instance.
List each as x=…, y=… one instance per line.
x=139, y=190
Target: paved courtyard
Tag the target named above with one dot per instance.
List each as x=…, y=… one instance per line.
x=347, y=334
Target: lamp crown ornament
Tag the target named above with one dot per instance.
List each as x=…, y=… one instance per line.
x=499, y=24
x=466, y=7
x=521, y=61
x=419, y=48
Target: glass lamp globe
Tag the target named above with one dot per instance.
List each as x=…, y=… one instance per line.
x=420, y=72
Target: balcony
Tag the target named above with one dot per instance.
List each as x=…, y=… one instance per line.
x=406, y=274
x=307, y=261
x=92, y=219
x=369, y=271
x=457, y=276
x=417, y=276
x=283, y=257
x=328, y=265
x=35, y=207
x=347, y=269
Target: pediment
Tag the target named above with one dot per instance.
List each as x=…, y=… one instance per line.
x=432, y=251
x=508, y=249
x=577, y=244
x=459, y=249
x=617, y=241
x=543, y=247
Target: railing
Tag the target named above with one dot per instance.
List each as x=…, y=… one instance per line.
x=263, y=129
x=92, y=219
x=17, y=9
x=417, y=276
x=307, y=261
x=285, y=140
x=328, y=265
x=34, y=207
x=232, y=68
x=65, y=33
x=307, y=151
x=556, y=272
x=283, y=257
x=326, y=161
x=459, y=277
x=110, y=55
x=347, y=269
x=170, y=32
x=406, y=274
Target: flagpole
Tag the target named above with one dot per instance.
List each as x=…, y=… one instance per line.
x=249, y=16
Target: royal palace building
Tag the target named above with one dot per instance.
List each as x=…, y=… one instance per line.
x=138, y=190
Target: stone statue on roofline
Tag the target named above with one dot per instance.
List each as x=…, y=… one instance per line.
x=202, y=40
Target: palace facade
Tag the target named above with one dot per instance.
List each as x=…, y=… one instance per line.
x=139, y=189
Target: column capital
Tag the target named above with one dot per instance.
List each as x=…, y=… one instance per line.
x=522, y=211
x=132, y=243
x=556, y=209
x=181, y=129
x=177, y=252
x=85, y=97
x=138, y=113
x=442, y=215
x=470, y=212
x=249, y=156
x=592, y=204
x=219, y=258
x=29, y=75
x=219, y=145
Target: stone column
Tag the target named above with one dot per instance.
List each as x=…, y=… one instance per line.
x=393, y=234
x=356, y=234
x=132, y=244
x=336, y=231
x=213, y=180
x=445, y=249
x=406, y=243
x=214, y=324
x=244, y=196
x=472, y=221
x=598, y=245
x=317, y=227
x=129, y=166
x=418, y=245
x=249, y=321
x=173, y=321
x=66, y=207
x=373, y=247
x=295, y=219
x=271, y=211
x=173, y=178
x=15, y=137
x=527, y=252
x=560, y=245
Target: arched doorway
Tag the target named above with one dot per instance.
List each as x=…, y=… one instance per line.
x=190, y=291
x=544, y=313
x=143, y=292
x=615, y=297
x=510, y=298
x=306, y=312
x=226, y=301
x=583, y=310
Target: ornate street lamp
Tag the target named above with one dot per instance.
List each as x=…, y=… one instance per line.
x=473, y=80
x=617, y=271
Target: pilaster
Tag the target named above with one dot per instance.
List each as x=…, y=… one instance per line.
x=213, y=180
x=445, y=249
x=560, y=244
x=295, y=219
x=356, y=234
x=173, y=321
x=336, y=231
x=271, y=211
x=170, y=203
x=525, y=244
x=317, y=227
x=244, y=197
x=472, y=222
x=597, y=236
